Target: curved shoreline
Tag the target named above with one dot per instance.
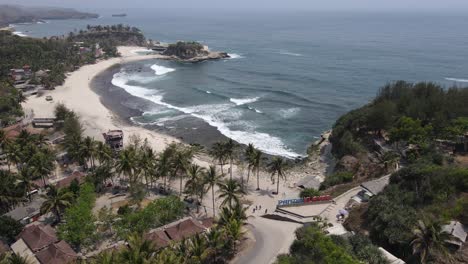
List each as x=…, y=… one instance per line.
x=77, y=94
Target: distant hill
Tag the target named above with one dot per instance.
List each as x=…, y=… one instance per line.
x=10, y=14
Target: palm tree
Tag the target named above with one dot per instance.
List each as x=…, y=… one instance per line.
x=164, y=164
x=219, y=154
x=195, y=184
x=256, y=163
x=13, y=154
x=12, y=258
x=147, y=164
x=181, y=161
x=234, y=230
x=277, y=167
x=138, y=251
x=197, y=249
x=430, y=240
x=212, y=178
x=56, y=201
x=89, y=150
x=42, y=164
x=229, y=148
x=103, y=152
x=226, y=214
x=230, y=191
x=26, y=181
x=249, y=157
x=215, y=243
x=127, y=163
x=167, y=256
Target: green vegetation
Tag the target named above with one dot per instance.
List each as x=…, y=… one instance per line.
x=312, y=246
x=309, y=192
x=158, y=213
x=185, y=50
x=411, y=113
x=78, y=228
x=336, y=178
x=9, y=229
x=10, y=104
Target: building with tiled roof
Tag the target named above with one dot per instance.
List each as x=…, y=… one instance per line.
x=58, y=253
x=159, y=238
x=76, y=175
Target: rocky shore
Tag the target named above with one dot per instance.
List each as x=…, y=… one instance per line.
x=212, y=55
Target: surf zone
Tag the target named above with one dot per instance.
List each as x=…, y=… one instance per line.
x=304, y=201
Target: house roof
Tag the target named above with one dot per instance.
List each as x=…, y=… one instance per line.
x=184, y=228
x=159, y=237
x=39, y=183
x=457, y=230
x=65, y=182
x=20, y=248
x=38, y=236
x=376, y=186
x=58, y=253
x=208, y=222
x=26, y=210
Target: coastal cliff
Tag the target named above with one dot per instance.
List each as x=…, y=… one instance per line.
x=191, y=52
x=10, y=14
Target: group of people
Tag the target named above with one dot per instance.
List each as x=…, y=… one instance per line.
x=258, y=208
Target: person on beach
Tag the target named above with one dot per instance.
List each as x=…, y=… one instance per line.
x=266, y=211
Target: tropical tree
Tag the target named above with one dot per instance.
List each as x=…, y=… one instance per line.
x=197, y=249
x=230, y=192
x=103, y=152
x=42, y=164
x=105, y=257
x=430, y=241
x=164, y=164
x=230, y=147
x=181, y=160
x=25, y=181
x=277, y=167
x=138, y=250
x=218, y=151
x=256, y=163
x=234, y=230
x=249, y=157
x=167, y=256
x=56, y=201
x=147, y=164
x=127, y=164
x=12, y=258
x=237, y=212
x=212, y=178
x=196, y=183
x=89, y=150
x=215, y=242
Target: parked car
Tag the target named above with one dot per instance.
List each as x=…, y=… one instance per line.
x=49, y=98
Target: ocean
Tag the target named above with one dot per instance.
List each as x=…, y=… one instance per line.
x=290, y=75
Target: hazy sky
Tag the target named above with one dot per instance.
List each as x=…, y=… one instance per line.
x=257, y=4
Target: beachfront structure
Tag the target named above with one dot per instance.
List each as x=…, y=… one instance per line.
x=457, y=230
x=40, y=244
x=178, y=230
x=114, y=138
x=27, y=213
x=20, y=75
x=66, y=182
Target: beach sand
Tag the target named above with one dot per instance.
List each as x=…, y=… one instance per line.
x=76, y=94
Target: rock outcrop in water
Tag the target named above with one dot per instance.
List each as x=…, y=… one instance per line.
x=192, y=52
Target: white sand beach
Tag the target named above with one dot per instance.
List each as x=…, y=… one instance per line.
x=77, y=95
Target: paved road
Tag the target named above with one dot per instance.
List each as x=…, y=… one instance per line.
x=271, y=239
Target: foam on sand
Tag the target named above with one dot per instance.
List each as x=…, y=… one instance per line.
x=221, y=116
x=161, y=70
x=242, y=101
x=457, y=80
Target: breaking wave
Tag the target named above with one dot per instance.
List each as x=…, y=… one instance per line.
x=161, y=70
x=290, y=53
x=19, y=33
x=235, y=56
x=457, y=80
x=220, y=116
x=242, y=101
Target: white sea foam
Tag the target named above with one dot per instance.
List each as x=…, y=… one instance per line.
x=208, y=92
x=161, y=70
x=19, y=33
x=242, y=101
x=290, y=53
x=142, y=51
x=255, y=109
x=216, y=115
x=288, y=112
x=457, y=80
x=235, y=56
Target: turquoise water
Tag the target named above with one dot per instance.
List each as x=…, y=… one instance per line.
x=291, y=74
